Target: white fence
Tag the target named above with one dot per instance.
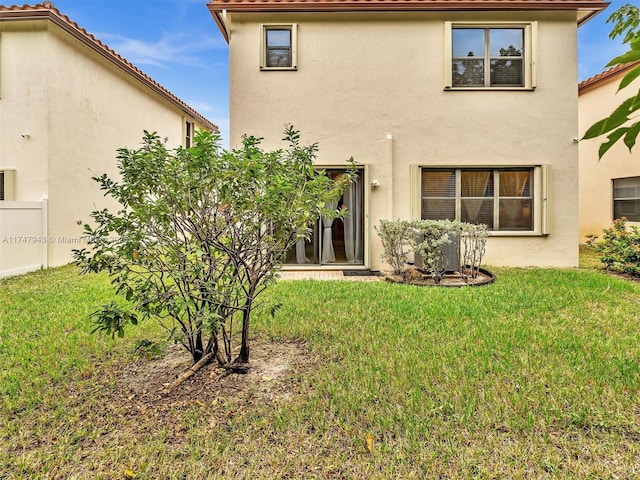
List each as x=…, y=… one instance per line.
x=23, y=237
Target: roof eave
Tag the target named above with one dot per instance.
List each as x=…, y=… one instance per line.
x=232, y=6
x=217, y=17
x=219, y=8
x=590, y=14
x=606, y=76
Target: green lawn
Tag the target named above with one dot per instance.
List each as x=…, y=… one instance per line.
x=534, y=376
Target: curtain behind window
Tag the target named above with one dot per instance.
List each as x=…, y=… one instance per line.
x=474, y=183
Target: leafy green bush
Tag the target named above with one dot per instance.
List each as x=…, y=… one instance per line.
x=396, y=237
x=428, y=239
x=619, y=248
x=201, y=232
x=434, y=236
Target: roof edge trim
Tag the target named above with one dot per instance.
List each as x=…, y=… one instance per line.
x=605, y=76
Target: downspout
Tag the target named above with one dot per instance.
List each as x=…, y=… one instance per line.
x=225, y=21
x=389, y=176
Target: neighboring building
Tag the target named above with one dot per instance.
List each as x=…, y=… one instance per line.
x=67, y=103
x=609, y=187
x=453, y=109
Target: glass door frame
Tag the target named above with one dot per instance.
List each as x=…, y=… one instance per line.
x=366, y=253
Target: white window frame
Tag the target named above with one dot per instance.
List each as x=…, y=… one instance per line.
x=529, y=59
x=540, y=193
x=614, y=198
x=264, y=27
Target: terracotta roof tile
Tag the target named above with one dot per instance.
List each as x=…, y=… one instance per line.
x=48, y=11
x=605, y=76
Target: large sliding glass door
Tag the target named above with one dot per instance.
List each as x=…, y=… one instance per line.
x=337, y=241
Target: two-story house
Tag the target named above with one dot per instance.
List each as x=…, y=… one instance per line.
x=67, y=103
x=453, y=109
x=609, y=187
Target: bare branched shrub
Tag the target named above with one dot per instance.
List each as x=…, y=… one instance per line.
x=473, y=242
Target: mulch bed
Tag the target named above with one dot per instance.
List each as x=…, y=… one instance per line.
x=414, y=277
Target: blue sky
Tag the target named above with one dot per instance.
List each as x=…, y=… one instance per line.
x=177, y=43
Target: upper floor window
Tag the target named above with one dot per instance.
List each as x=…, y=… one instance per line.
x=278, y=50
x=626, y=198
x=490, y=56
x=188, y=134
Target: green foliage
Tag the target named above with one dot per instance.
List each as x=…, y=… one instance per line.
x=201, y=232
x=428, y=239
x=626, y=21
x=619, y=249
x=112, y=319
x=148, y=349
x=438, y=234
x=396, y=238
x=435, y=236
x=617, y=125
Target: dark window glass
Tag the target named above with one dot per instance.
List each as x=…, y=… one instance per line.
x=476, y=199
x=483, y=57
x=626, y=198
x=278, y=45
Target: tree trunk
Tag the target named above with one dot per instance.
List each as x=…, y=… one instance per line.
x=190, y=372
x=198, y=351
x=243, y=356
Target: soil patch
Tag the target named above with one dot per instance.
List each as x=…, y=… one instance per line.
x=142, y=384
x=626, y=276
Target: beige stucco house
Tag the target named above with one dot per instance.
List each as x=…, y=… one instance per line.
x=452, y=109
x=610, y=187
x=67, y=103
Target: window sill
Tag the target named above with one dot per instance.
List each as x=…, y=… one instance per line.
x=516, y=233
x=270, y=69
x=489, y=89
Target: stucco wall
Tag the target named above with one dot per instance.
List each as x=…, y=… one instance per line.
x=363, y=77
x=596, y=176
x=79, y=109
x=93, y=109
x=23, y=107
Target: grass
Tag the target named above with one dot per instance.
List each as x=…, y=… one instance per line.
x=534, y=376
x=589, y=258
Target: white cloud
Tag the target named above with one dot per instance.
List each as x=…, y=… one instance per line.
x=595, y=55
x=203, y=107
x=174, y=48
x=223, y=126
